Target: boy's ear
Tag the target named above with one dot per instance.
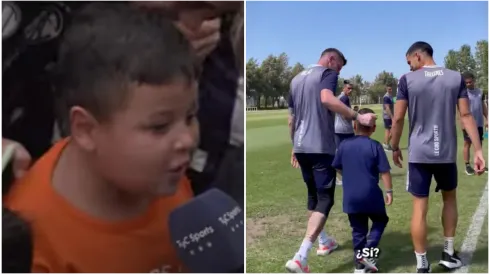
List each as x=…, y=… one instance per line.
x=83, y=125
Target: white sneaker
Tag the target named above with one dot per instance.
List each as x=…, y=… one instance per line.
x=370, y=264
x=328, y=248
x=296, y=266
x=339, y=182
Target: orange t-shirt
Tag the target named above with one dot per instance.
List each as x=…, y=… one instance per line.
x=67, y=240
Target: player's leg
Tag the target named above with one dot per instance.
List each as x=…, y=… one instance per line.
x=481, y=132
x=419, y=179
x=300, y=265
x=466, y=154
x=360, y=228
x=326, y=196
x=324, y=177
x=446, y=177
x=387, y=125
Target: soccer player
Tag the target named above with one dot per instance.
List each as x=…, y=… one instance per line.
x=431, y=94
x=312, y=104
x=387, y=116
x=99, y=200
x=479, y=111
x=362, y=160
x=343, y=125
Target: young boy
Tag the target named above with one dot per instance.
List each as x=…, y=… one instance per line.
x=361, y=160
x=99, y=201
x=17, y=243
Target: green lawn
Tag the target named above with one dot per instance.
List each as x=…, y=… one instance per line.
x=276, y=213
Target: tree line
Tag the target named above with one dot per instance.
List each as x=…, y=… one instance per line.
x=268, y=81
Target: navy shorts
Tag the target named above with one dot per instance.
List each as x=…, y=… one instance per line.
x=467, y=138
x=341, y=137
x=387, y=122
x=319, y=176
x=419, y=177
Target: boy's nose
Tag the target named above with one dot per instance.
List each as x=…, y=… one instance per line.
x=186, y=141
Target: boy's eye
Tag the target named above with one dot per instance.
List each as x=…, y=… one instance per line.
x=190, y=118
x=159, y=127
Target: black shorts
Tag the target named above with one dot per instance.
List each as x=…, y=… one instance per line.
x=319, y=176
x=467, y=138
x=419, y=177
x=387, y=123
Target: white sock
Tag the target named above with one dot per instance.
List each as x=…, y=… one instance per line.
x=323, y=238
x=303, y=251
x=422, y=260
x=449, y=245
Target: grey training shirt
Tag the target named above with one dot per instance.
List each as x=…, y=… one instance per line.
x=432, y=95
x=343, y=125
x=313, y=122
x=476, y=105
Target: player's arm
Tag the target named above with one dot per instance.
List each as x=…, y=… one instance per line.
x=466, y=118
x=291, y=116
x=485, y=107
x=328, y=98
x=387, y=108
x=401, y=106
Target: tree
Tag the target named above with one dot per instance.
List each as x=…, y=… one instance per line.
x=466, y=61
x=481, y=59
x=255, y=81
x=451, y=61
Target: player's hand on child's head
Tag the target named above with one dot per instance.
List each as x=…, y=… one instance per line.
x=367, y=119
x=479, y=162
x=389, y=198
x=21, y=159
x=398, y=158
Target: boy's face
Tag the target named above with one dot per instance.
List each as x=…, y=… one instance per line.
x=145, y=148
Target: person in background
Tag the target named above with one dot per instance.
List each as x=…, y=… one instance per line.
x=479, y=111
x=388, y=115
x=343, y=125
x=431, y=95
x=99, y=200
x=362, y=160
x=17, y=243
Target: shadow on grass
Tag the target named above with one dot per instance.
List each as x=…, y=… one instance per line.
x=396, y=250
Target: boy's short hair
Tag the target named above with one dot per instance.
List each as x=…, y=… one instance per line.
x=359, y=125
x=17, y=243
x=356, y=108
x=468, y=75
x=110, y=46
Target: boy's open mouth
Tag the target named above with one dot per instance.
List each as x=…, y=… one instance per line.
x=180, y=168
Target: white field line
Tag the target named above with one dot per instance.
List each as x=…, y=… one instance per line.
x=469, y=244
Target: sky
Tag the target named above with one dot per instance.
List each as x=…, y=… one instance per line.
x=373, y=36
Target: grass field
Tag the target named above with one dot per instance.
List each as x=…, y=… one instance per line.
x=276, y=208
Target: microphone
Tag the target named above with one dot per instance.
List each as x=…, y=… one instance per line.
x=208, y=233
